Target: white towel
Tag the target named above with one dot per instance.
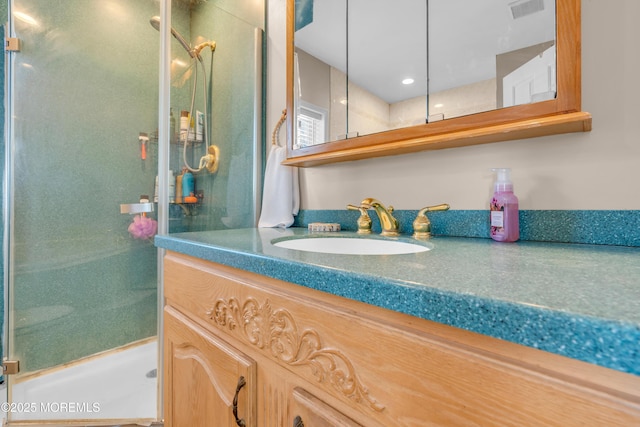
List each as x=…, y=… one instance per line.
x=281, y=193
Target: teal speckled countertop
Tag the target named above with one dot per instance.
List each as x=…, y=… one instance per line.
x=580, y=301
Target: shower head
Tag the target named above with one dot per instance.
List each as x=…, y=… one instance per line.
x=155, y=23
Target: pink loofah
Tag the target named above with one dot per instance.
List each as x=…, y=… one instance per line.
x=143, y=227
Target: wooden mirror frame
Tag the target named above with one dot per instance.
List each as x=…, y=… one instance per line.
x=559, y=115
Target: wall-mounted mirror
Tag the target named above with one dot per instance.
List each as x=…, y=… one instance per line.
x=368, y=78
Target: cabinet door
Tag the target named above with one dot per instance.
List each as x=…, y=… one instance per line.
x=309, y=411
x=206, y=381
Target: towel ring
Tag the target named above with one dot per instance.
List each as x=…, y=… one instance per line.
x=275, y=135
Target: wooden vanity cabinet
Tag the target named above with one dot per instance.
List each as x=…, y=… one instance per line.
x=313, y=359
x=202, y=374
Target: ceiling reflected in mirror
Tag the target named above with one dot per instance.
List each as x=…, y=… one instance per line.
x=387, y=40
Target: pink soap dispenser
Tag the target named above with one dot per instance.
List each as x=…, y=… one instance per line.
x=505, y=226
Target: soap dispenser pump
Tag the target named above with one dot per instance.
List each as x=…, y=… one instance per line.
x=504, y=211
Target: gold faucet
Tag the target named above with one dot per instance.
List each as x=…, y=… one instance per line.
x=388, y=223
x=422, y=225
x=364, y=221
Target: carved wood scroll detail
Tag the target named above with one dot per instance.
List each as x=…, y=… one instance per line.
x=277, y=331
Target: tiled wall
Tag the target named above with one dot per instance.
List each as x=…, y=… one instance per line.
x=82, y=284
x=86, y=85
x=619, y=227
x=228, y=200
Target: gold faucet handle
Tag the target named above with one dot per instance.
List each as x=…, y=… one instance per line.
x=422, y=225
x=364, y=221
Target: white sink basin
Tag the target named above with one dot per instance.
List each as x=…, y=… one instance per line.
x=351, y=246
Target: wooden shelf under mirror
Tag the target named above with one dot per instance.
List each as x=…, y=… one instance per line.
x=555, y=116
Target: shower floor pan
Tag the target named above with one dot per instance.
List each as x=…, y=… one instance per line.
x=121, y=384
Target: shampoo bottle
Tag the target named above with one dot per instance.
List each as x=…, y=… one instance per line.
x=505, y=226
x=188, y=187
x=184, y=125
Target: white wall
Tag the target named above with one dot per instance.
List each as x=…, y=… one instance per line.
x=595, y=170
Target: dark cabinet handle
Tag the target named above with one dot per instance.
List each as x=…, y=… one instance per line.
x=241, y=383
x=297, y=421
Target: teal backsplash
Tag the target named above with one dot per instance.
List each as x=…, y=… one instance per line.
x=600, y=227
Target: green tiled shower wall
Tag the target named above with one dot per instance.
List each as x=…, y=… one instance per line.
x=228, y=200
x=86, y=82
x=88, y=79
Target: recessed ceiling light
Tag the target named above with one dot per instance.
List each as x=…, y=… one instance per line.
x=438, y=106
x=407, y=81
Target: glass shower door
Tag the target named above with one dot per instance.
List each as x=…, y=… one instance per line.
x=228, y=93
x=82, y=290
